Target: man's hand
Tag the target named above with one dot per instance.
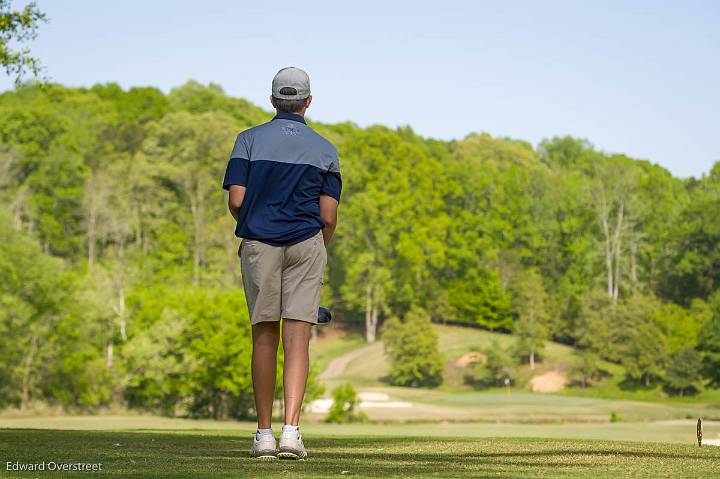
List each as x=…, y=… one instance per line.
x=328, y=214
x=235, y=199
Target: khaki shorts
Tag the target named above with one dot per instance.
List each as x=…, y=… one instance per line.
x=283, y=281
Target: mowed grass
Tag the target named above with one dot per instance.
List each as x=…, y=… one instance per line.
x=216, y=455
x=682, y=432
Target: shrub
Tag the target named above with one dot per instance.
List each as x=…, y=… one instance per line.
x=345, y=401
x=497, y=368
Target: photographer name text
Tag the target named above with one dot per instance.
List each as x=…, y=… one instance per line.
x=54, y=466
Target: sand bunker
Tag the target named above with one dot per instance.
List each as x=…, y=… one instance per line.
x=469, y=358
x=549, y=382
x=368, y=400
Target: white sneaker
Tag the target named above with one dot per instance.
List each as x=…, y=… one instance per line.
x=264, y=446
x=291, y=445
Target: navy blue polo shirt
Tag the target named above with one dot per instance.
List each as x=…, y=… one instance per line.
x=285, y=166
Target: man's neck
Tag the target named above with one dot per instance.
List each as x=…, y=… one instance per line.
x=300, y=113
x=290, y=116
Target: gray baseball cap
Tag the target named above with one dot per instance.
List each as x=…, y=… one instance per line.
x=294, y=78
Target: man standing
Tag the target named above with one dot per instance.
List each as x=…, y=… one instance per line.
x=284, y=187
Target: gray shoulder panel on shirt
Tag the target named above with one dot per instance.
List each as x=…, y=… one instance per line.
x=288, y=141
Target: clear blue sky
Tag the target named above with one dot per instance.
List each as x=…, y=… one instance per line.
x=638, y=77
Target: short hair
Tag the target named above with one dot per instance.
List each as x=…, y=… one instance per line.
x=289, y=106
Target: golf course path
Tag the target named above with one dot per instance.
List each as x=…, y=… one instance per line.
x=338, y=365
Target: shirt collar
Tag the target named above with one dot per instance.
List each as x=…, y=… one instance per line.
x=289, y=116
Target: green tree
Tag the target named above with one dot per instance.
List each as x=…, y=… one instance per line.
x=492, y=200
x=568, y=258
x=531, y=326
x=476, y=296
x=690, y=271
x=49, y=347
x=389, y=263
x=585, y=367
x=412, y=347
x=594, y=324
x=683, y=371
x=709, y=343
x=643, y=354
x=192, y=357
x=641, y=346
x=681, y=326
x=190, y=152
x=57, y=187
x=567, y=152
x=156, y=366
x=612, y=195
x=19, y=26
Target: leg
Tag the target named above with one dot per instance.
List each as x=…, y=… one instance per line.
x=266, y=337
x=302, y=278
x=296, y=338
x=261, y=267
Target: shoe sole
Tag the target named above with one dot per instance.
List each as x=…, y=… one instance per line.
x=265, y=457
x=290, y=455
x=264, y=454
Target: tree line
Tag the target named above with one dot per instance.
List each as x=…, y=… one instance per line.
x=120, y=277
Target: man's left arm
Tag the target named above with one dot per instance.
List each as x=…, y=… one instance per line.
x=235, y=199
x=328, y=214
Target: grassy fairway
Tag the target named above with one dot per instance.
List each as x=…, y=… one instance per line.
x=681, y=432
x=136, y=454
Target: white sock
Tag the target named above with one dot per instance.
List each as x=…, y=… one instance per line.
x=264, y=432
x=289, y=428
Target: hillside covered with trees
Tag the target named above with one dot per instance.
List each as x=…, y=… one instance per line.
x=119, y=276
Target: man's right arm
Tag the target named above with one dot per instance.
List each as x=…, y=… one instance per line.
x=330, y=197
x=236, y=175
